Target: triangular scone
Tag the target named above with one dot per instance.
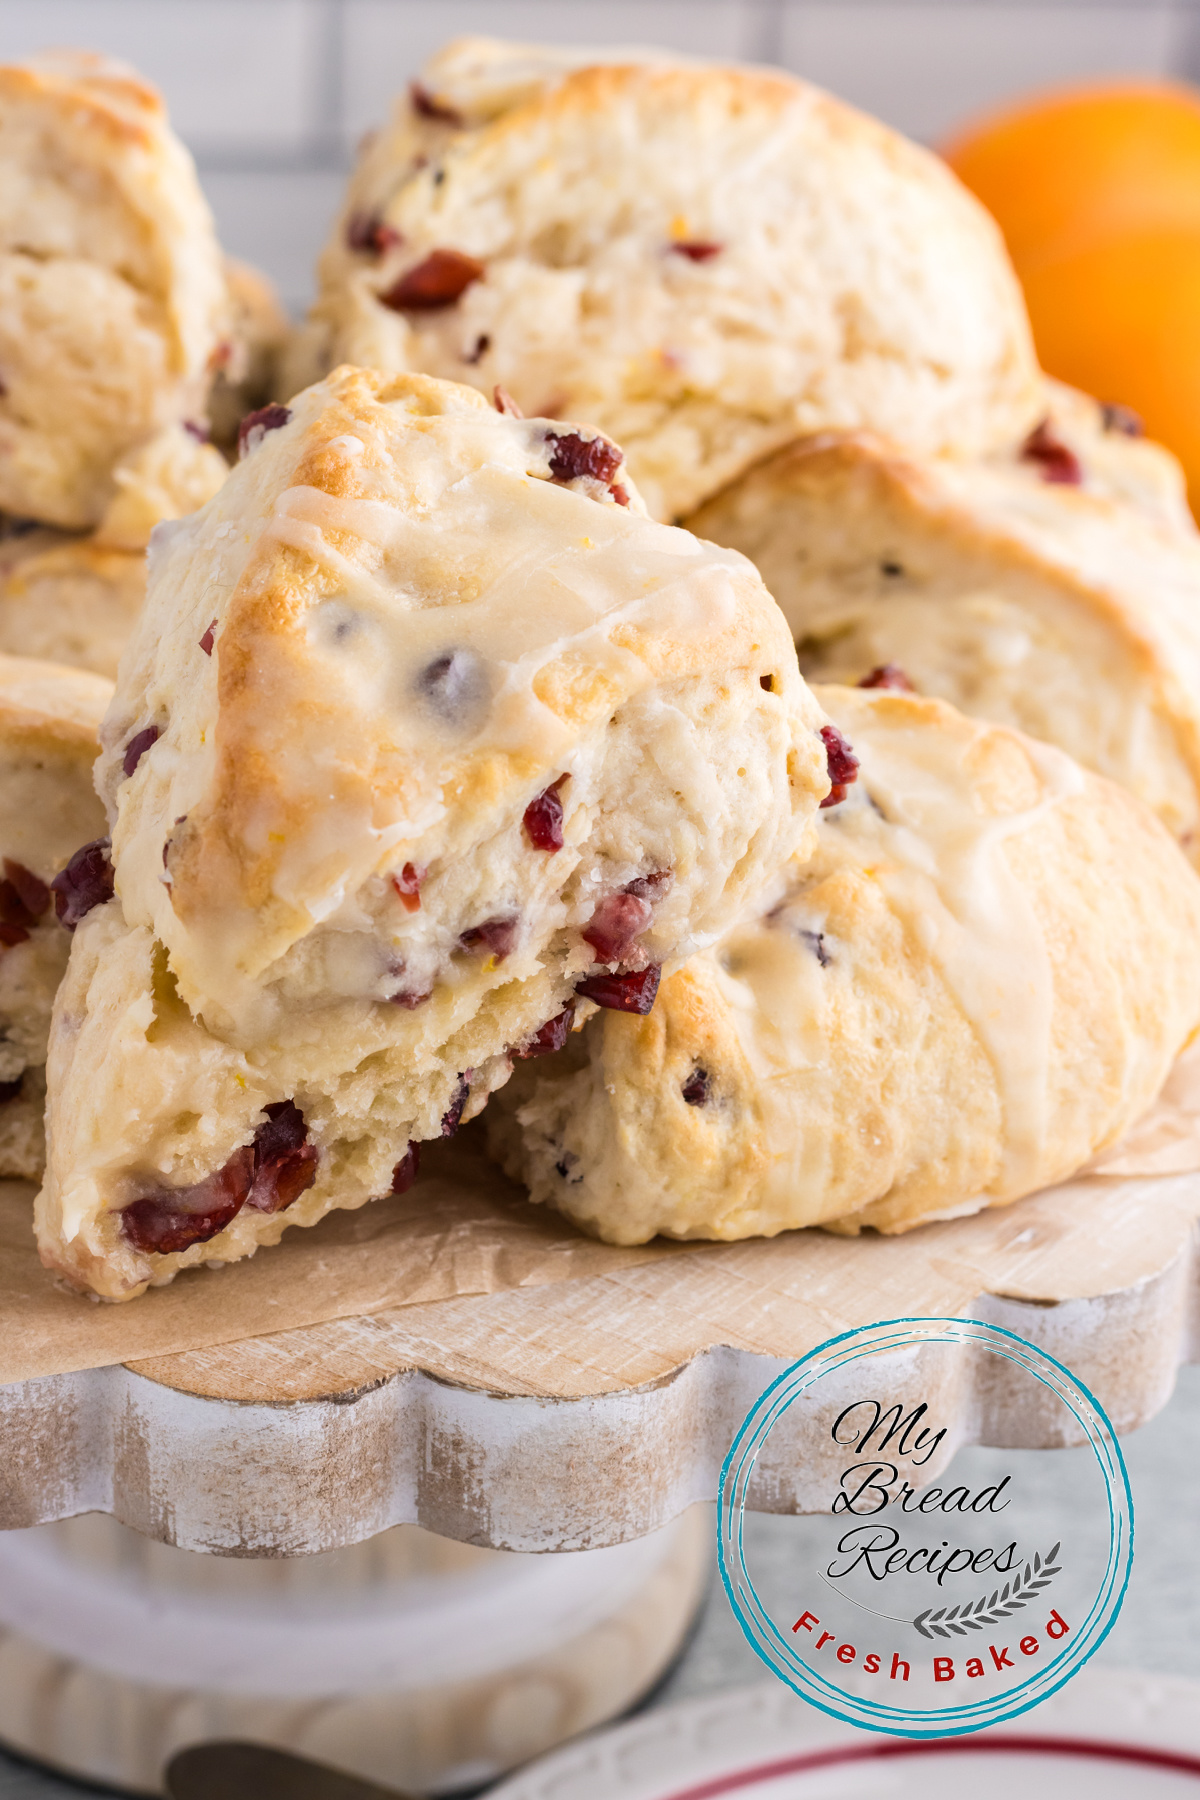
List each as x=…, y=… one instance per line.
x=49, y=720
x=424, y=729
x=113, y=307
x=1056, y=590
x=979, y=980
x=703, y=261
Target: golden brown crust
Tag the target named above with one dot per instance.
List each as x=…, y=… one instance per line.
x=725, y=257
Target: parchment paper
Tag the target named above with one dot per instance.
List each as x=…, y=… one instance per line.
x=462, y=1230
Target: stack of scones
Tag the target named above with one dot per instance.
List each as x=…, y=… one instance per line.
x=461, y=758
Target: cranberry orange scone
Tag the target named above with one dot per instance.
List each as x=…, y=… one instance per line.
x=1056, y=590
x=703, y=261
x=112, y=295
x=426, y=731
x=49, y=719
x=67, y=599
x=980, y=979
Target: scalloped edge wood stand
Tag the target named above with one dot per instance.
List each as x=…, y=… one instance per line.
x=584, y=1413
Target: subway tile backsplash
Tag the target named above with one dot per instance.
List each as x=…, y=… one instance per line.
x=272, y=95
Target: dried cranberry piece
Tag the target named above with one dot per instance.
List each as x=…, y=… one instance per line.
x=697, y=252
x=441, y=280
x=633, y=993
x=1114, y=417
x=29, y=892
x=198, y=429
x=696, y=1088
x=843, y=764
x=285, y=1163
x=620, y=494
x=10, y=1089
x=430, y=107
x=137, y=747
x=87, y=881
x=452, y=1117
x=816, y=943
x=504, y=403
x=410, y=998
x=497, y=936
x=652, y=887
x=367, y=233
x=1057, y=462
x=171, y=1220
x=544, y=818
x=12, y=935
x=572, y=455
x=457, y=685
x=616, y=925
x=407, y=1169
x=255, y=426
x=408, y=886
x=206, y=642
x=888, y=675
x=548, y=1037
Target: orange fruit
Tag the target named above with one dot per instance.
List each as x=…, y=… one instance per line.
x=1097, y=193
x=1066, y=169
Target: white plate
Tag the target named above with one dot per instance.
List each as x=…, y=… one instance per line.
x=1108, y=1735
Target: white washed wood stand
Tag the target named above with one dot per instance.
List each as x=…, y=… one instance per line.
x=483, y=1420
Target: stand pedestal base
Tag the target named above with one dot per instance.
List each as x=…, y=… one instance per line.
x=417, y=1662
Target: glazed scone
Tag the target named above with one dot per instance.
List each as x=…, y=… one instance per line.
x=112, y=296
x=425, y=730
x=701, y=261
x=49, y=720
x=259, y=331
x=1056, y=591
x=981, y=978
x=65, y=598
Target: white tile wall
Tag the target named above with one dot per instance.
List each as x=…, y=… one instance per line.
x=239, y=75
x=925, y=68
x=272, y=94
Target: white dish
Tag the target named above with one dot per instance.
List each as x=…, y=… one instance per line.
x=1109, y=1734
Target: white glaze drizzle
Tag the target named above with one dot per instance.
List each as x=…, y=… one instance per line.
x=943, y=866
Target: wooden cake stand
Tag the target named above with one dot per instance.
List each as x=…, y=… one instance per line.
x=590, y=1412
x=582, y=1414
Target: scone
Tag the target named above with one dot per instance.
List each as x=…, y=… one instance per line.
x=65, y=598
x=1056, y=590
x=259, y=331
x=980, y=979
x=49, y=719
x=701, y=261
x=426, y=733
x=113, y=307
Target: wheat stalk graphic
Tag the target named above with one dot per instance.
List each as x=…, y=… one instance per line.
x=973, y=1615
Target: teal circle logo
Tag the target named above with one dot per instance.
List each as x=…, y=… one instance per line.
x=939, y=1584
